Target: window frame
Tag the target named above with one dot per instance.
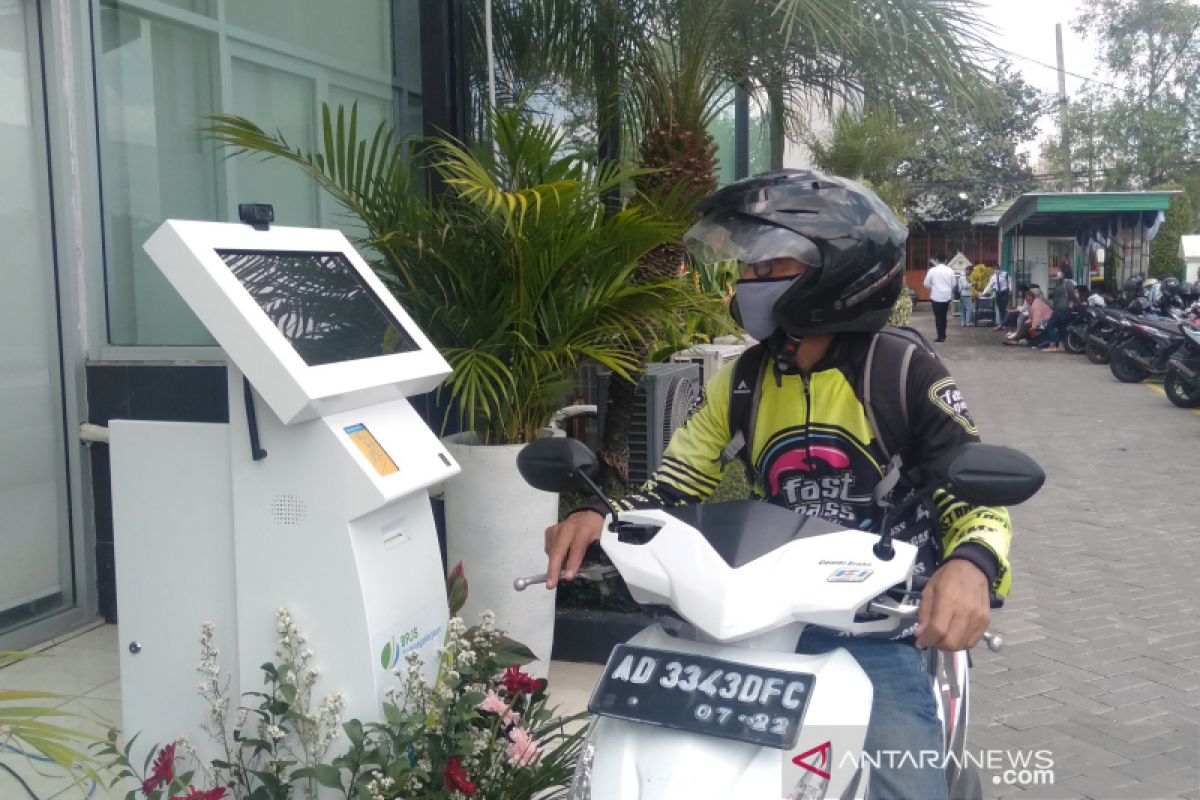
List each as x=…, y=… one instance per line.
x=232, y=42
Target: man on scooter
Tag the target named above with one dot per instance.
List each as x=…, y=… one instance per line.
x=822, y=264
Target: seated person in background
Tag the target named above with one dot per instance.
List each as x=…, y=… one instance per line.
x=1039, y=315
x=1017, y=317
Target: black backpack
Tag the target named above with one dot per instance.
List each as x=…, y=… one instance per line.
x=884, y=374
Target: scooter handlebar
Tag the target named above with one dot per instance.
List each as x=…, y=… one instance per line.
x=994, y=641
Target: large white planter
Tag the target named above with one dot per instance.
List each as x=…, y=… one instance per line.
x=495, y=525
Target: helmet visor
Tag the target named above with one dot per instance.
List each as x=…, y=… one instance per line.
x=733, y=237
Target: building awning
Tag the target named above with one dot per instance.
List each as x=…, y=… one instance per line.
x=1065, y=213
x=993, y=214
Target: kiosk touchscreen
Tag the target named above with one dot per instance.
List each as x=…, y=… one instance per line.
x=313, y=497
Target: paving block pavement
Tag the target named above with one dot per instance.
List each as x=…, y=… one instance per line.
x=1101, y=666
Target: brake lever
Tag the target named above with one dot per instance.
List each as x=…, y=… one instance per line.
x=595, y=572
x=994, y=641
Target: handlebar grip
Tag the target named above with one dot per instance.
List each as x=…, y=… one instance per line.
x=995, y=600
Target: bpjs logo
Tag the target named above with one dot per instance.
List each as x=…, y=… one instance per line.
x=1006, y=767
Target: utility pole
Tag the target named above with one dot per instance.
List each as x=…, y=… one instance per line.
x=1064, y=133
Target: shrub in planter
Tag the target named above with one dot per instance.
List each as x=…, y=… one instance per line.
x=516, y=271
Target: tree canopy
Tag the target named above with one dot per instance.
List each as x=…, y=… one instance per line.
x=1137, y=127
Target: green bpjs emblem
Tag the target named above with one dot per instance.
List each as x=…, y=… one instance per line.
x=395, y=648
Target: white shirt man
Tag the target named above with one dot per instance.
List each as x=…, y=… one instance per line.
x=939, y=280
x=997, y=283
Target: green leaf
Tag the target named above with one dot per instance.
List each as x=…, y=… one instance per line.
x=328, y=776
x=510, y=652
x=354, y=731
x=385, y=657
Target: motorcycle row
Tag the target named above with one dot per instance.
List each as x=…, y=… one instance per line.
x=1155, y=334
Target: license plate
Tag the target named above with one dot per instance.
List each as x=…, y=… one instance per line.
x=703, y=695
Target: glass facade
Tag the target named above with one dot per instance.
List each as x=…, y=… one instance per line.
x=758, y=142
x=36, y=577
x=163, y=68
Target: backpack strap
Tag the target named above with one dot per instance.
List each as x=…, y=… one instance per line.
x=885, y=375
x=745, y=392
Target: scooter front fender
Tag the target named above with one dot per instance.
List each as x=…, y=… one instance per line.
x=635, y=761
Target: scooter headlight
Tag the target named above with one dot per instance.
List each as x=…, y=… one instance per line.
x=581, y=783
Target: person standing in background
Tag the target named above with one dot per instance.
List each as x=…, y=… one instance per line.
x=966, y=298
x=1061, y=300
x=999, y=287
x=939, y=280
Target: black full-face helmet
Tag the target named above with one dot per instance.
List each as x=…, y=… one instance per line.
x=851, y=242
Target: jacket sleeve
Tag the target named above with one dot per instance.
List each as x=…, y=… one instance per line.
x=940, y=423
x=691, y=466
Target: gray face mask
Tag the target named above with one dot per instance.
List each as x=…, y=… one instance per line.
x=753, y=301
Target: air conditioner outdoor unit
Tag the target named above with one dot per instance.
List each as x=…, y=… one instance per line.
x=664, y=397
x=710, y=357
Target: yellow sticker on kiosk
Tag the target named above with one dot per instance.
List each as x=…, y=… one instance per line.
x=369, y=446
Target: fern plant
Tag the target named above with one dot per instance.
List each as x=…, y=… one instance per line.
x=515, y=271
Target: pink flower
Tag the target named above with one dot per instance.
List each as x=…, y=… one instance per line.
x=522, y=752
x=493, y=704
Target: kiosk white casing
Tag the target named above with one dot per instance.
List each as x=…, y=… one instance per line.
x=333, y=523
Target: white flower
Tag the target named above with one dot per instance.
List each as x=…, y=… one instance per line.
x=274, y=733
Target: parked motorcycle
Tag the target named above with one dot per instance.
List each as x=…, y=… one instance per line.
x=1078, y=320
x=1182, y=382
x=1108, y=326
x=1103, y=326
x=1144, y=348
x=726, y=708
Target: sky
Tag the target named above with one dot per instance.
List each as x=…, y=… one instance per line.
x=1025, y=28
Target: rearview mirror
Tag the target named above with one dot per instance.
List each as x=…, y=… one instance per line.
x=556, y=464
x=991, y=475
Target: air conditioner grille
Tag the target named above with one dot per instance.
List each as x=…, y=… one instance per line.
x=664, y=398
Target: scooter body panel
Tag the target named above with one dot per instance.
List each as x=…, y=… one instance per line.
x=637, y=761
x=819, y=580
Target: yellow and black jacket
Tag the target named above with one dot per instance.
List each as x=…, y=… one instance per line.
x=814, y=450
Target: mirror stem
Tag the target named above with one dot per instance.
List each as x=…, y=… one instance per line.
x=884, y=550
x=599, y=494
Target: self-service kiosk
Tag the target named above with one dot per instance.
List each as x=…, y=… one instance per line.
x=312, y=497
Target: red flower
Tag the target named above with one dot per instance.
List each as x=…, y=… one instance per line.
x=163, y=771
x=456, y=777
x=517, y=682
x=201, y=794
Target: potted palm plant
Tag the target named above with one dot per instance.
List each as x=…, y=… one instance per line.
x=517, y=272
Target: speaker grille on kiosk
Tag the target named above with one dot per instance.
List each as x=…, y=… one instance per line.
x=288, y=509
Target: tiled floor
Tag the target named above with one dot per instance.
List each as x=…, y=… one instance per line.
x=83, y=668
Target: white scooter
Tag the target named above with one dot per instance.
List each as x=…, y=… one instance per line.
x=724, y=707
